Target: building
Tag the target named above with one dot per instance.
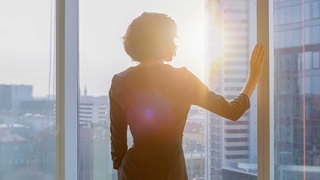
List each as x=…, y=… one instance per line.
x=17, y=150
x=231, y=27
x=28, y=134
x=38, y=106
x=236, y=174
x=95, y=151
x=297, y=88
x=93, y=110
x=194, y=143
x=12, y=95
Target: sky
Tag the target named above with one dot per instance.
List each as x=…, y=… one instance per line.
x=25, y=40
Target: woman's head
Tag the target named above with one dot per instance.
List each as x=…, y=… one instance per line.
x=151, y=37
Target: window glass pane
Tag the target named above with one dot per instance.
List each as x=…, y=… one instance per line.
x=276, y=20
x=307, y=11
x=316, y=35
x=315, y=9
x=289, y=15
x=27, y=90
x=296, y=104
x=316, y=85
x=308, y=60
x=102, y=26
x=296, y=38
x=308, y=35
x=289, y=38
x=296, y=15
x=316, y=60
x=233, y=145
x=282, y=15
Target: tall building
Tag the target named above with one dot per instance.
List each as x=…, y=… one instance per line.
x=94, y=137
x=12, y=95
x=297, y=89
x=231, y=34
x=194, y=143
x=93, y=110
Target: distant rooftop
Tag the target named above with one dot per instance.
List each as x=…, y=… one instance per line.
x=7, y=136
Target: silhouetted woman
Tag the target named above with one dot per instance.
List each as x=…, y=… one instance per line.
x=153, y=99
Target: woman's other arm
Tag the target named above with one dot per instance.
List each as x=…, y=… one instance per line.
x=118, y=128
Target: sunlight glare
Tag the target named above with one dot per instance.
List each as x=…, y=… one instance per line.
x=191, y=35
x=217, y=50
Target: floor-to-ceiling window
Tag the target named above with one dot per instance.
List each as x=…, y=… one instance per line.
x=296, y=35
x=27, y=90
x=231, y=36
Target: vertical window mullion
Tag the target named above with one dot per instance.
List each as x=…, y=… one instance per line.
x=265, y=92
x=67, y=89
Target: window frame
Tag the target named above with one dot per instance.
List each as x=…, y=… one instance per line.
x=67, y=59
x=265, y=112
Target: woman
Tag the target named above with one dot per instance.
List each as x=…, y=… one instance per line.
x=153, y=99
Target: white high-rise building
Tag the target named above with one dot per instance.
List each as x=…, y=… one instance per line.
x=231, y=35
x=93, y=110
x=94, y=137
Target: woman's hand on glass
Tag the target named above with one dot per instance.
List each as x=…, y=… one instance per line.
x=256, y=62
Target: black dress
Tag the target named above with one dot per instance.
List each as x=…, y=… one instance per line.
x=154, y=102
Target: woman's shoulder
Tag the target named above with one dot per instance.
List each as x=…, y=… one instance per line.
x=178, y=70
x=181, y=71
x=135, y=71
x=124, y=73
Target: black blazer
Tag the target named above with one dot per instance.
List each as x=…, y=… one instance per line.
x=154, y=102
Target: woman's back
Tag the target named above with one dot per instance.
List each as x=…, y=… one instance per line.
x=155, y=102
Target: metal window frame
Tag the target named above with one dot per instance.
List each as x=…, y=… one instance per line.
x=265, y=92
x=67, y=89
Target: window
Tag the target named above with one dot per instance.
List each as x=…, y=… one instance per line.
x=27, y=90
x=307, y=10
x=315, y=9
x=296, y=152
x=316, y=60
x=236, y=148
x=238, y=138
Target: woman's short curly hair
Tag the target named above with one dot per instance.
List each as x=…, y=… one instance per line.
x=151, y=36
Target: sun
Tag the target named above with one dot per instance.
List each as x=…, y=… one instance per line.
x=191, y=35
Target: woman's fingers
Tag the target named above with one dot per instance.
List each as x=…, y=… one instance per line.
x=261, y=55
x=258, y=50
x=254, y=52
x=256, y=61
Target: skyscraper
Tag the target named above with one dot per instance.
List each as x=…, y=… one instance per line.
x=231, y=31
x=94, y=138
x=297, y=89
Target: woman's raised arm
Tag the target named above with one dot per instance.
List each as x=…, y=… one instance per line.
x=256, y=63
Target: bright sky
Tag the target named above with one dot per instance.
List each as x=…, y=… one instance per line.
x=25, y=34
